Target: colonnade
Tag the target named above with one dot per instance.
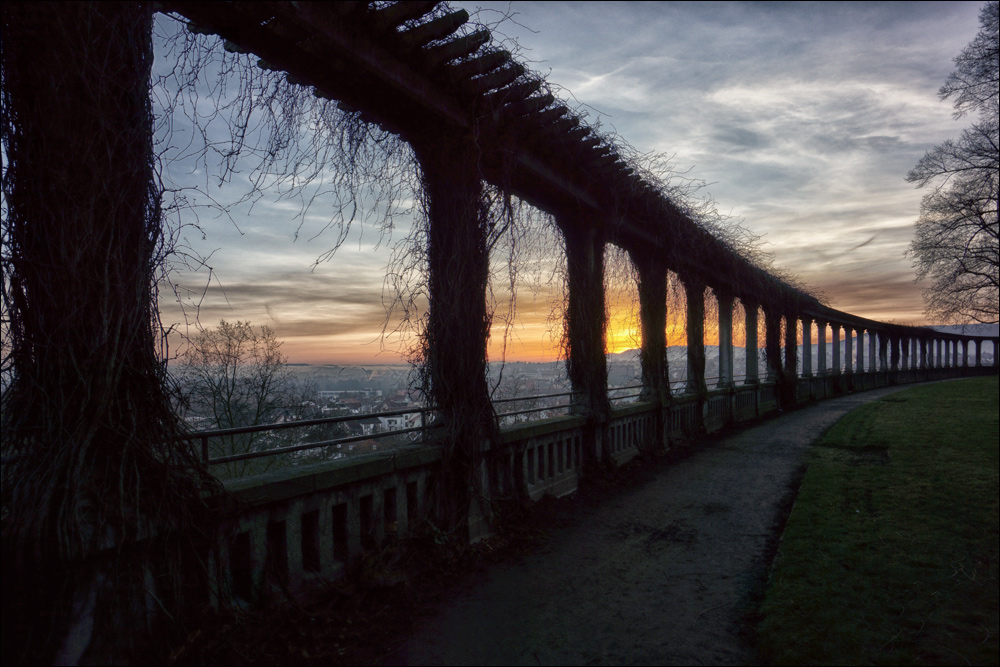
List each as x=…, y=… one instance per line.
x=591, y=210
x=894, y=353
x=891, y=349
x=550, y=162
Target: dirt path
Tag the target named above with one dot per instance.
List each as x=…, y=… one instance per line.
x=667, y=572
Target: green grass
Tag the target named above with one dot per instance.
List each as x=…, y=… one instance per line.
x=890, y=553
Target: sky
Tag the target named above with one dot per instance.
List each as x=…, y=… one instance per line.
x=802, y=118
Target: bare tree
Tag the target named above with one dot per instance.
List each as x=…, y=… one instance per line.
x=236, y=375
x=957, y=242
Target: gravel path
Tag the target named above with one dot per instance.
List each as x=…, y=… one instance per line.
x=664, y=573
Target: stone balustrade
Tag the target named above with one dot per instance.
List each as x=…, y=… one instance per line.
x=299, y=524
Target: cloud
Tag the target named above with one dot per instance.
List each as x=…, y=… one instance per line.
x=803, y=117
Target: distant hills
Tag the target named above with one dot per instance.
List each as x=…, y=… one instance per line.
x=992, y=330
x=623, y=367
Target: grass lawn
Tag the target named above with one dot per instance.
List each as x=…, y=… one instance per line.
x=890, y=553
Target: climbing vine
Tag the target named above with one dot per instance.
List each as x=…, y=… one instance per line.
x=103, y=506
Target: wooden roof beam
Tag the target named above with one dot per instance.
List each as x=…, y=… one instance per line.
x=399, y=13
x=528, y=106
x=289, y=28
x=547, y=188
x=498, y=78
x=434, y=30
x=459, y=47
x=510, y=94
x=479, y=65
x=602, y=162
x=548, y=116
x=345, y=7
x=560, y=125
x=372, y=76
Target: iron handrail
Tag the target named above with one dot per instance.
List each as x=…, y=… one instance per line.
x=541, y=409
x=529, y=398
x=315, y=445
x=626, y=386
x=204, y=436
x=240, y=430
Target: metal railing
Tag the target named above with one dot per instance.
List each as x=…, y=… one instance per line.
x=567, y=406
x=205, y=436
x=615, y=394
x=624, y=397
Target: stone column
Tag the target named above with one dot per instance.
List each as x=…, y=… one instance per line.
x=750, y=317
x=894, y=351
x=872, y=350
x=914, y=354
x=883, y=352
x=694, y=290
x=835, y=339
x=904, y=343
x=979, y=352
x=790, y=371
x=965, y=353
x=923, y=354
x=725, y=338
x=807, y=347
x=860, y=365
x=821, y=368
x=772, y=343
x=653, y=355
x=458, y=323
x=653, y=322
x=585, y=324
x=848, y=351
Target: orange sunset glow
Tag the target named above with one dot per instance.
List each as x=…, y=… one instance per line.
x=809, y=152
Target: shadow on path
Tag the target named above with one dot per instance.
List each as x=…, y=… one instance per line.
x=666, y=572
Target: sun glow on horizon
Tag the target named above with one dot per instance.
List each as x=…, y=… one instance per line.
x=622, y=336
